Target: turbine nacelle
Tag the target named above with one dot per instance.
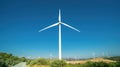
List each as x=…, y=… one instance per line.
x=60, y=22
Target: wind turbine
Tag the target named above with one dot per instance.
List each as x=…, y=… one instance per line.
x=59, y=23
x=94, y=56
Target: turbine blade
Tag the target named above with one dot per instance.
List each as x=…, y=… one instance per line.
x=70, y=26
x=48, y=27
x=59, y=17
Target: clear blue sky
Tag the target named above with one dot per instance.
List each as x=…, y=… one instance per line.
x=98, y=21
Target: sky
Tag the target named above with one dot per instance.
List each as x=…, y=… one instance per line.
x=98, y=21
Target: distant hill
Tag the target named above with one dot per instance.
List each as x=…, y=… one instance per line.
x=115, y=58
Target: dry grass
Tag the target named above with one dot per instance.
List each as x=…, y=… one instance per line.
x=92, y=60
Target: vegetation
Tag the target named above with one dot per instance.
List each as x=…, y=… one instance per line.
x=116, y=58
x=40, y=62
x=3, y=64
x=95, y=64
x=8, y=60
x=58, y=63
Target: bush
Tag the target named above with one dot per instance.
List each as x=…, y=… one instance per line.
x=3, y=64
x=96, y=64
x=28, y=62
x=74, y=65
x=11, y=60
x=89, y=64
x=40, y=61
x=33, y=62
x=114, y=64
x=100, y=64
x=58, y=63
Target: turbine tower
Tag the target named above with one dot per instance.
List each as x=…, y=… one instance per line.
x=59, y=23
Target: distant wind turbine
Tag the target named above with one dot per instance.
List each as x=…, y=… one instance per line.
x=51, y=55
x=59, y=23
x=103, y=54
x=94, y=55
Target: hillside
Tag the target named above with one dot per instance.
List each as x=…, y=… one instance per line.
x=115, y=58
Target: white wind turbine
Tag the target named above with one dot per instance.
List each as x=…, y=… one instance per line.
x=59, y=23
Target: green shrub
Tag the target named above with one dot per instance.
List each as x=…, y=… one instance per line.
x=28, y=62
x=3, y=64
x=96, y=64
x=74, y=65
x=33, y=62
x=58, y=63
x=100, y=64
x=40, y=61
x=89, y=64
x=114, y=64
